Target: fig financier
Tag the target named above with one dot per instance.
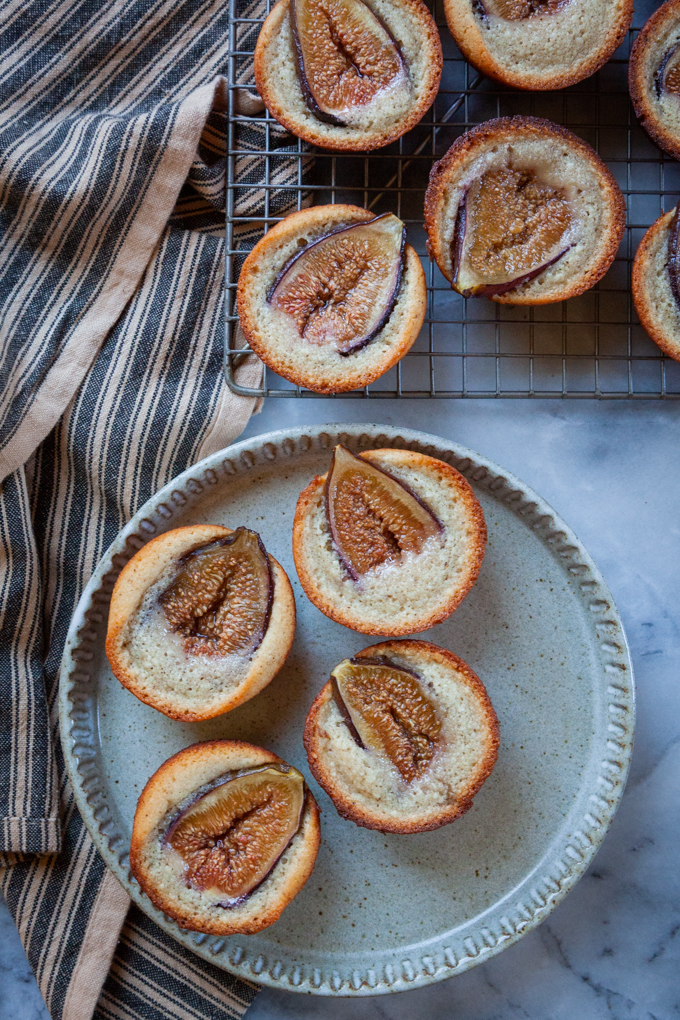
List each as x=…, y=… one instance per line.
x=402, y=737
x=389, y=541
x=654, y=77
x=201, y=619
x=656, y=283
x=224, y=837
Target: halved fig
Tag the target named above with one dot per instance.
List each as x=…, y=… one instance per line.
x=346, y=56
x=372, y=516
x=389, y=712
x=667, y=78
x=518, y=10
x=509, y=228
x=233, y=833
x=674, y=255
x=220, y=600
x=340, y=290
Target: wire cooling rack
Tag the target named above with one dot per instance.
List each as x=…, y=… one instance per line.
x=590, y=346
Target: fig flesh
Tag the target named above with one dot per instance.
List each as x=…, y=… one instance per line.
x=667, y=78
x=220, y=599
x=233, y=833
x=389, y=712
x=518, y=10
x=373, y=517
x=340, y=290
x=346, y=57
x=509, y=228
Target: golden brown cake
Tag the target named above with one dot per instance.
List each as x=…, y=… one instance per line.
x=522, y=211
x=225, y=836
x=201, y=619
x=538, y=44
x=332, y=297
x=348, y=74
x=402, y=737
x=654, y=77
x=389, y=542
x=656, y=283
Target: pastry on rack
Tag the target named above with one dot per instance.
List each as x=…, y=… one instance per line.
x=524, y=212
x=402, y=737
x=348, y=74
x=225, y=836
x=201, y=619
x=388, y=542
x=656, y=283
x=331, y=297
x=538, y=44
x=654, y=77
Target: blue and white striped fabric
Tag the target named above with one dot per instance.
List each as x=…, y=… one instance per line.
x=112, y=156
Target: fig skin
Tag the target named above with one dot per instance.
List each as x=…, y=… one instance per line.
x=661, y=78
x=202, y=871
x=179, y=600
x=430, y=524
x=674, y=255
x=173, y=784
x=464, y=221
x=396, y=720
x=307, y=86
x=345, y=233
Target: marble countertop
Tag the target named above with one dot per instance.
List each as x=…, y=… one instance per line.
x=612, y=948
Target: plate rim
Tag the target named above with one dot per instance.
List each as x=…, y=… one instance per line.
x=489, y=936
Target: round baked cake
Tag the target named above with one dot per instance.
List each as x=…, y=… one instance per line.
x=331, y=297
x=348, y=74
x=538, y=44
x=656, y=283
x=388, y=542
x=225, y=835
x=522, y=211
x=654, y=77
x=201, y=619
x=402, y=737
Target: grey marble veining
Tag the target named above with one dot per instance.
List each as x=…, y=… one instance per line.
x=612, y=949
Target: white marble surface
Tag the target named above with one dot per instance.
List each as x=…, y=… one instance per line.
x=612, y=949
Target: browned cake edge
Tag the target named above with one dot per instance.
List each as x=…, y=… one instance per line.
x=343, y=801
x=450, y=601
x=142, y=571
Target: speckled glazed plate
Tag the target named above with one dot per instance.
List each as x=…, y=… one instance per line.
x=384, y=913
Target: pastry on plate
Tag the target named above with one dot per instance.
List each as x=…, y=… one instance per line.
x=656, y=283
x=348, y=74
x=201, y=619
x=225, y=836
x=388, y=542
x=522, y=211
x=538, y=44
x=654, y=77
x=331, y=297
x=402, y=737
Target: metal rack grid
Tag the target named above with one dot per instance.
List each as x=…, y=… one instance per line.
x=590, y=346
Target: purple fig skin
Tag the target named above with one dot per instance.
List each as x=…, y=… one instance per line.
x=361, y=342
x=314, y=108
x=208, y=788
x=674, y=255
x=661, y=70
x=329, y=517
x=346, y=717
x=491, y=289
x=231, y=540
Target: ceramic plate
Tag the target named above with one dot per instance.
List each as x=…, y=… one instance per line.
x=383, y=913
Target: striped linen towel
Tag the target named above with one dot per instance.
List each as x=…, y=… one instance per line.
x=112, y=150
